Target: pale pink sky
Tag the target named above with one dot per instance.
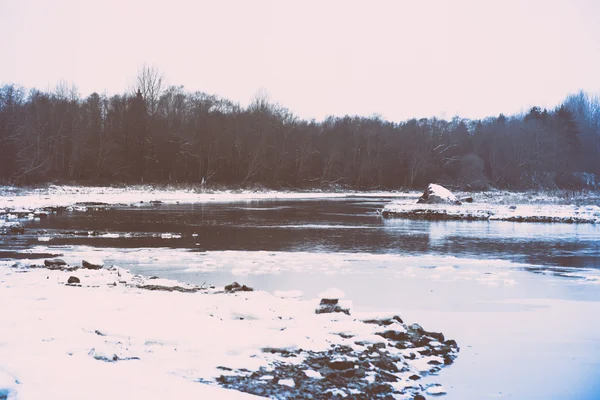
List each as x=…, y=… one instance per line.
x=400, y=59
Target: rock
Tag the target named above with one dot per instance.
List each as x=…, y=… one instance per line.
x=384, y=321
x=436, y=194
x=16, y=229
x=329, y=302
x=467, y=200
x=73, y=279
x=512, y=208
x=162, y=288
x=57, y=262
x=236, y=287
x=341, y=365
x=89, y=265
x=328, y=306
x=378, y=388
x=395, y=335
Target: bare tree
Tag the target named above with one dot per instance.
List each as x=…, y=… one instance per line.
x=150, y=83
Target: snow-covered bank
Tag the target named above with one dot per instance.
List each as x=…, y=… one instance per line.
x=495, y=212
x=438, y=203
x=16, y=198
x=118, y=335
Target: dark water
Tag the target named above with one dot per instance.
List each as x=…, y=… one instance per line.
x=335, y=225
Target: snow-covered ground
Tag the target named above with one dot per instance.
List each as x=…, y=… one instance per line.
x=119, y=335
x=495, y=212
x=497, y=206
x=16, y=199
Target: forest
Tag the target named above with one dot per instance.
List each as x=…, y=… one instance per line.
x=155, y=133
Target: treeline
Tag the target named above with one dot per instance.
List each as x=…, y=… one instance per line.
x=167, y=135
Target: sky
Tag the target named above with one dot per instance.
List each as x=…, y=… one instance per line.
x=398, y=59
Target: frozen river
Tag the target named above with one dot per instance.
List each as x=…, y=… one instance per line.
x=521, y=299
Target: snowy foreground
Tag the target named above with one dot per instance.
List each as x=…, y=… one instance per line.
x=119, y=335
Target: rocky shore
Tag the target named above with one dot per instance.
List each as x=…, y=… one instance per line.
x=232, y=337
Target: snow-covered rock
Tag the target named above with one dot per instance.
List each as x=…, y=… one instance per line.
x=437, y=194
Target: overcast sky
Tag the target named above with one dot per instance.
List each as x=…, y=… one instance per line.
x=399, y=59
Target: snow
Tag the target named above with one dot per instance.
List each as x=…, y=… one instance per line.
x=332, y=293
x=313, y=374
x=436, y=390
x=20, y=200
x=288, y=294
x=59, y=341
x=495, y=212
x=287, y=382
x=436, y=194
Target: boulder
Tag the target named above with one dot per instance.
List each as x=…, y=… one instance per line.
x=328, y=306
x=57, y=262
x=236, y=287
x=73, y=279
x=88, y=265
x=436, y=194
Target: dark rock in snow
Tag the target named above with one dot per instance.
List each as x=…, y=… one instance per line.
x=385, y=321
x=329, y=306
x=236, y=287
x=170, y=288
x=57, y=262
x=329, y=302
x=347, y=372
x=436, y=194
x=89, y=265
x=512, y=208
x=114, y=358
x=73, y=279
x=341, y=365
